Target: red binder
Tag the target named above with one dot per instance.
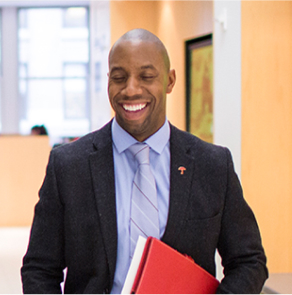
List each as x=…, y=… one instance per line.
x=163, y=270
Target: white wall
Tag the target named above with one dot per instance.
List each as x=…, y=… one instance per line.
x=227, y=78
x=9, y=82
x=99, y=46
x=227, y=83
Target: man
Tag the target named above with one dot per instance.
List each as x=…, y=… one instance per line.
x=82, y=220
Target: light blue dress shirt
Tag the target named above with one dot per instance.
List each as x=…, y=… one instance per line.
x=125, y=167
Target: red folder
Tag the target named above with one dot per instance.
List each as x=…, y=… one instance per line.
x=163, y=270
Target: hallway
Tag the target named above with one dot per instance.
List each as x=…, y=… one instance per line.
x=13, y=245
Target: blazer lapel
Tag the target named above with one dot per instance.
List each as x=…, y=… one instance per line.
x=102, y=169
x=181, y=174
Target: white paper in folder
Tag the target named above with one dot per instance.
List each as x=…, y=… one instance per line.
x=134, y=265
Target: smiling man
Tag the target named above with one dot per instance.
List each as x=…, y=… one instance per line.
x=104, y=190
x=139, y=79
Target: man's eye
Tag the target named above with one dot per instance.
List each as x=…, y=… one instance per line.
x=118, y=79
x=147, y=77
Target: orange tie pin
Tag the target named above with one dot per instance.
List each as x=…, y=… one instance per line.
x=182, y=170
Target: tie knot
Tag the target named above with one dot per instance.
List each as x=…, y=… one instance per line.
x=140, y=152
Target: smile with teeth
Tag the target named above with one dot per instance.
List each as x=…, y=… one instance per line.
x=134, y=107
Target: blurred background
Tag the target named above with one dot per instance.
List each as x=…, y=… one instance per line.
x=53, y=61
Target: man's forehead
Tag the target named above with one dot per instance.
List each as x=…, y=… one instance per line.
x=135, y=52
x=145, y=67
x=131, y=45
x=137, y=49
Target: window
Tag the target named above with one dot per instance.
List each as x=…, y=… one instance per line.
x=75, y=91
x=75, y=17
x=53, y=70
x=23, y=90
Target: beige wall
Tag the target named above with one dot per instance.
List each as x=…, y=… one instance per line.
x=173, y=22
x=128, y=15
x=180, y=21
x=23, y=161
x=267, y=124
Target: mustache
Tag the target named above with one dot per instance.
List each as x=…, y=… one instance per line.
x=130, y=98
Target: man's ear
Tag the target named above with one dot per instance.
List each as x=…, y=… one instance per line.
x=171, y=81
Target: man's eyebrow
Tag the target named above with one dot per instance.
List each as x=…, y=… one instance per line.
x=116, y=69
x=151, y=67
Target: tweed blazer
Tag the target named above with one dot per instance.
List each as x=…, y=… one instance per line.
x=75, y=224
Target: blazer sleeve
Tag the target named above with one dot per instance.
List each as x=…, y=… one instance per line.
x=240, y=245
x=43, y=264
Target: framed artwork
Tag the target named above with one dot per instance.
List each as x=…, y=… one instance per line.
x=199, y=87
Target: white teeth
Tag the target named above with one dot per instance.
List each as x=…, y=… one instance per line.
x=134, y=107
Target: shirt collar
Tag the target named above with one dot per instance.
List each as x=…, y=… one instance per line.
x=123, y=140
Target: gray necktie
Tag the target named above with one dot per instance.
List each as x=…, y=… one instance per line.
x=144, y=210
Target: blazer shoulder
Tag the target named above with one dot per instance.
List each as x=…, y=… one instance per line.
x=85, y=145
x=193, y=143
x=207, y=156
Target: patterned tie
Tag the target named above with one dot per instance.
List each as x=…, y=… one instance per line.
x=144, y=210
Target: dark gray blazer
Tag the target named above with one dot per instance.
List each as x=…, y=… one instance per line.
x=75, y=219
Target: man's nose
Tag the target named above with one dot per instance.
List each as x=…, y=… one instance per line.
x=132, y=87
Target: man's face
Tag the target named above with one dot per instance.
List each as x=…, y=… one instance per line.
x=137, y=87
